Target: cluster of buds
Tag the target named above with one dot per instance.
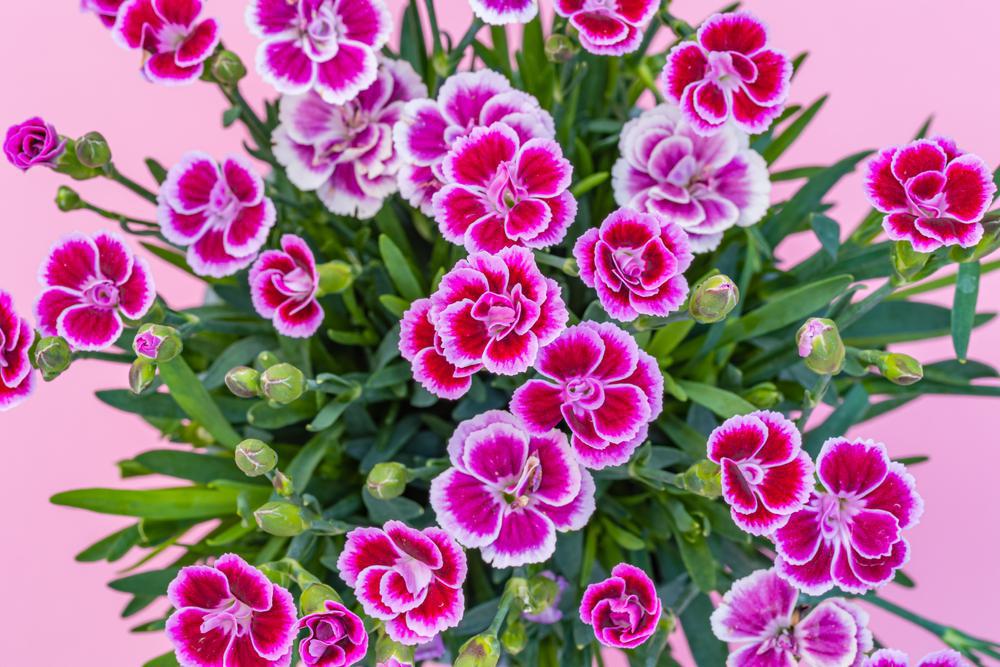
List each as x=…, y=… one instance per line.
x=153, y=344
x=280, y=383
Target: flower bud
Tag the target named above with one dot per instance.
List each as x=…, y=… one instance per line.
x=388, y=652
x=141, y=375
x=558, y=48
x=243, y=382
x=901, y=369
x=157, y=342
x=906, y=261
x=334, y=277
x=820, y=345
x=387, y=480
x=255, y=458
x=227, y=68
x=515, y=636
x=68, y=200
x=480, y=651
x=543, y=591
x=704, y=478
x=283, y=383
x=764, y=395
x=713, y=298
x=315, y=596
x=265, y=360
x=52, y=357
x=282, y=484
x=92, y=150
x=281, y=518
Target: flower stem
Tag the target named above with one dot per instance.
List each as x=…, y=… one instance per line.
x=110, y=171
x=506, y=600
x=813, y=398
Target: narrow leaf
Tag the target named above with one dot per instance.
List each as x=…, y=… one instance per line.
x=399, y=269
x=190, y=502
x=190, y=394
x=723, y=403
x=963, y=313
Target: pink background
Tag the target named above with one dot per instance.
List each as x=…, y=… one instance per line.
x=888, y=64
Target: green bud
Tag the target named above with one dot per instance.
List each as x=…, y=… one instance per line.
x=281, y=518
x=764, y=395
x=480, y=651
x=542, y=593
x=386, y=649
x=157, y=342
x=52, y=357
x=68, y=200
x=704, y=478
x=907, y=262
x=387, y=480
x=315, y=597
x=559, y=48
x=442, y=66
x=282, y=484
x=334, y=277
x=227, y=68
x=255, y=458
x=283, y=383
x=713, y=298
x=901, y=369
x=515, y=636
x=265, y=360
x=141, y=374
x=70, y=165
x=820, y=345
x=243, y=382
x=92, y=150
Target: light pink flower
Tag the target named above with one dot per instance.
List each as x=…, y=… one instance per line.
x=849, y=534
x=220, y=213
x=170, y=31
x=728, y=72
x=283, y=286
x=337, y=637
x=230, y=614
x=508, y=492
x=636, y=263
x=345, y=151
x=933, y=194
x=705, y=184
x=17, y=380
x=766, y=476
x=891, y=658
x=420, y=344
x=91, y=283
x=605, y=388
x=760, y=616
x=608, y=27
x=105, y=10
x=409, y=579
x=330, y=46
x=33, y=143
x=623, y=609
x=502, y=12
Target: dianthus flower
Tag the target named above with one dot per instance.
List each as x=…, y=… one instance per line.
x=337, y=637
x=420, y=344
x=623, y=609
x=891, y=658
x=170, y=31
x=283, y=287
x=17, y=380
x=608, y=27
x=33, y=143
x=502, y=12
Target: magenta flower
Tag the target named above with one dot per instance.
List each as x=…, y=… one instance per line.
x=33, y=143
x=429, y=128
x=623, y=609
x=502, y=12
x=17, y=380
x=337, y=637
x=932, y=193
x=91, y=283
x=500, y=193
x=105, y=10
x=328, y=46
x=766, y=476
x=283, y=287
x=728, y=72
x=705, y=184
x=230, y=614
x=508, y=492
x=759, y=614
x=170, y=31
x=345, y=151
x=552, y=614
x=602, y=385
x=891, y=658
x=636, y=264
x=409, y=579
x=147, y=344
x=420, y=344
x=497, y=311
x=220, y=213
x=849, y=533
x=608, y=27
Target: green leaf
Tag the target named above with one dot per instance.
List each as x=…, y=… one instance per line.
x=723, y=403
x=230, y=116
x=684, y=436
x=152, y=583
x=394, y=304
x=706, y=649
x=198, y=468
x=625, y=539
x=827, y=230
x=963, y=312
x=329, y=415
x=902, y=321
x=667, y=338
x=156, y=170
x=112, y=547
x=302, y=467
x=166, y=660
x=188, y=392
x=240, y=353
x=188, y=502
x=163, y=406
x=849, y=412
x=589, y=183
x=400, y=509
x=698, y=560
x=412, y=46
x=783, y=141
x=400, y=271
x=273, y=417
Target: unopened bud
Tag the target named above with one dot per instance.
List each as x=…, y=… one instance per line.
x=515, y=636
x=283, y=383
x=157, y=342
x=387, y=480
x=227, y=68
x=713, y=298
x=243, y=382
x=255, y=458
x=906, y=261
x=141, y=374
x=281, y=519
x=559, y=48
x=265, y=360
x=480, y=651
x=315, y=597
x=704, y=478
x=92, y=150
x=282, y=484
x=68, y=200
x=901, y=369
x=820, y=345
x=543, y=593
x=764, y=395
x=334, y=277
x=52, y=357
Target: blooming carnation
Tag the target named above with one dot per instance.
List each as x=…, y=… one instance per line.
x=33, y=143
x=608, y=27
x=178, y=43
x=502, y=12
x=420, y=344
x=891, y=658
x=623, y=609
x=337, y=637
x=283, y=287
x=17, y=380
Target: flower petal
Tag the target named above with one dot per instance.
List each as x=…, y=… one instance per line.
x=526, y=536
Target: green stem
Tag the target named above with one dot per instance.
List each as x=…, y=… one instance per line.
x=501, y=50
x=856, y=311
x=111, y=172
x=435, y=29
x=813, y=398
x=105, y=356
x=505, y=602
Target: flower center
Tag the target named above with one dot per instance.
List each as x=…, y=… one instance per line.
x=326, y=634
x=172, y=36
x=752, y=471
x=723, y=71
x=630, y=263
x=503, y=191
x=322, y=29
x=222, y=204
x=586, y=393
x=300, y=282
x=103, y=294
x=416, y=574
x=498, y=313
x=836, y=515
x=232, y=617
x=518, y=493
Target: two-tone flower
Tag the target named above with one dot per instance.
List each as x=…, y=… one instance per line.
x=173, y=35
x=336, y=637
x=623, y=609
x=421, y=345
x=284, y=286
x=503, y=12
x=608, y=27
x=17, y=380
x=33, y=143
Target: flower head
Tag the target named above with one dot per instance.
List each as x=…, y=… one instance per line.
x=91, y=283
x=219, y=212
x=849, y=533
x=420, y=344
x=623, y=609
x=932, y=193
x=605, y=388
x=409, y=579
x=337, y=637
x=508, y=492
x=283, y=287
x=608, y=27
x=33, y=143
x=230, y=613
x=502, y=12
x=891, y=658
x=728, y=73
x=171, y=32
x=17, y=380
x=105, y=10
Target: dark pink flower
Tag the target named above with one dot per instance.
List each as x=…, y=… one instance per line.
x=891, y=658
x=933, y=194
x=283, y=287
x=220, y=213
x=497, y=311
x=500, y=193
x=337, y=637
x=345, y=151
x=17, y=380
x=705, y=184
x=106, y=10
x=502, y=12
x=760, y=617
x=409, y=579
x=33, y=143
x=91, y=283
x=766, y=476
x=605, y=388
x=420, y=344
x=728, y=72
x=508, y=492
x=636, y=263
x=849, y=533
x=608, y=27
x=170, y=31
x=230, y=614
x=328, y=46
x=623, y=609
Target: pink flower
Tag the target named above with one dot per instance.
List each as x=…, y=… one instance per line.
x=623, y=609
x=508, y=492
x=106, y=10
x=329, y=46
x=337, y=637
x=605, y=388
x=705, y=184
x=729, y=72
x=221, y=214
x=891, y=658
x=283, y=287
x=849, y=533
x=501, y=193
x=17, y=380
x=409, y=579
x=497, y=311
x=502, y=12
x=636, y=264
x=429, y=128
x=933, y=194
x=33, y=143
x=91, y=283
x=170, y=31
x=230, y=614
x=420, y=344
x=766, y=476
x=760, y=615
x=345, y=151
x=608, y=27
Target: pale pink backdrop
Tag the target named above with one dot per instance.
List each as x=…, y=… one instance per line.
x=887, y=64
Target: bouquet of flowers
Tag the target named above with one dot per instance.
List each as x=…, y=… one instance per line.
x=496, y=360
